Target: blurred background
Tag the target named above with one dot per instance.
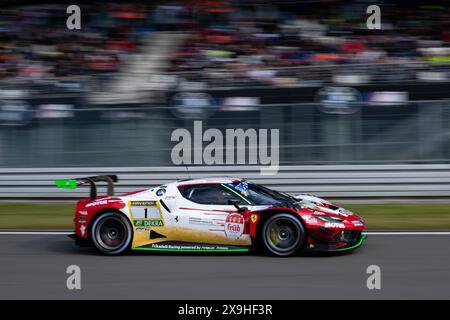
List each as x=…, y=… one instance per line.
x=363, y=118
x=111, y=93
x=361, y=113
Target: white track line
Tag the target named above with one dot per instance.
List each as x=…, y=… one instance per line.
x=371, y=233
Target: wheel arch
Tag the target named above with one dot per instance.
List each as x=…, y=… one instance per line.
x=102, y=211
x=263, y=216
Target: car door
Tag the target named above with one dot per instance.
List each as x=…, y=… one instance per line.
x=205, y=210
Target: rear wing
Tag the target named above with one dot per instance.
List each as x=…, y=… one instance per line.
x=74, y=183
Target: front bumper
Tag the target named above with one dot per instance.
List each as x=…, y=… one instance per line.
x=333, y=246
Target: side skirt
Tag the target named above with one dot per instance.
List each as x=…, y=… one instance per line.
x=172, y=246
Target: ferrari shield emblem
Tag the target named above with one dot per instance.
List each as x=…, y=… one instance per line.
x=254, y=217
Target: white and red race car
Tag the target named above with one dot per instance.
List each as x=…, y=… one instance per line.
x=215, y=215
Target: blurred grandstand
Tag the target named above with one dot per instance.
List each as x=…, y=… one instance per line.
x=112, y=92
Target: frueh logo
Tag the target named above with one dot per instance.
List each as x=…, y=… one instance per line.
x=234, y=226
x=252, y=144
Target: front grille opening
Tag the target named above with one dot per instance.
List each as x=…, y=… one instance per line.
x=349, y=236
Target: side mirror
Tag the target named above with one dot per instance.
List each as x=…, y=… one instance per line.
x=236, y=204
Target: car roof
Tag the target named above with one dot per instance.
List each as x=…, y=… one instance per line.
x=207, y=180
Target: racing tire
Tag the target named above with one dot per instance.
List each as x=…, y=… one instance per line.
x=282, y=235
x=112, y=233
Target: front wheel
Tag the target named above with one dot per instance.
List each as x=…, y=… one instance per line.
x=283, y=235
x=112, y=233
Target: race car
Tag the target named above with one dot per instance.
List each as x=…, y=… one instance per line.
x=219, y=214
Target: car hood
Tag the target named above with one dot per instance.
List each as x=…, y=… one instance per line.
x=328, y=208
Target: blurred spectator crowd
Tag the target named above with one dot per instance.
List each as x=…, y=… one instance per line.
x=36, y=44
x=270, y=42
x=286, y=42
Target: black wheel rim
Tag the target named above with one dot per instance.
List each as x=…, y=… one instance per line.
x=111, y=233
x=283, y=234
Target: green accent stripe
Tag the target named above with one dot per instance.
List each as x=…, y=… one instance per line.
x=355, y=245
x=192, y=250
x=239, y=195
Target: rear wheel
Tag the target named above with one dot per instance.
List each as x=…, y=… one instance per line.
x=283, y=235
x=112, y=233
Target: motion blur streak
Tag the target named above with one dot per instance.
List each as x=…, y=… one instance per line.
x=360, y=113
x=111, y=93
x=173, y=276
x=371, y=233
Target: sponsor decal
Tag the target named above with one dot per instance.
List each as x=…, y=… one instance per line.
x=319, y=213
x=97, y=203
x=206, y=222
x=254, y=218
x=200, y=221
x=148, y=223
x=309, y=219
x=164, y=246
x=357, y=223
x=344, y=212
x=83, y=230
x=146, y=214
x=334, y=225
x=234, y=226
x=83, y=213
x=160, y=192
x=82, y=219
x=182, y=247
x=142, y=203
x=142, y=230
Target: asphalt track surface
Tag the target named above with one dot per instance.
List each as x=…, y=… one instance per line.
x=412, y=266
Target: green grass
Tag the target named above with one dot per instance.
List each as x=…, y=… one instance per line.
x=379, y=216
x=36, y=216
x=404, y=216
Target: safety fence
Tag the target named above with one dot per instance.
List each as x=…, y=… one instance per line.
x=334, y=181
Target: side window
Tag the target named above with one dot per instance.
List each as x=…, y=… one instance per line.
x=208, y=194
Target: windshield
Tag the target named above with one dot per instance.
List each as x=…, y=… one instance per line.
x=260, y=195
